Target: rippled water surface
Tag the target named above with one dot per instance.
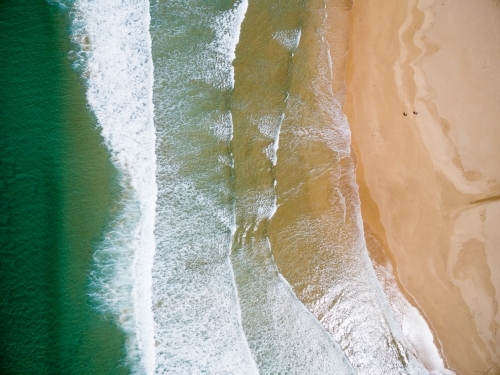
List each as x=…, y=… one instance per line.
x=227, y=236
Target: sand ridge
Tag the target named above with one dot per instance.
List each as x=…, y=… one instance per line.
x=430, y=182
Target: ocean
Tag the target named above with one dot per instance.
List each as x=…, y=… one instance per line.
x=179, y=196
x=57, y=188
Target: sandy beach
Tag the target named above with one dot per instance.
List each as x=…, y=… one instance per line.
x=429, y=181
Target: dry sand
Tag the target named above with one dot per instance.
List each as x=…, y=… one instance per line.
x=430, y=183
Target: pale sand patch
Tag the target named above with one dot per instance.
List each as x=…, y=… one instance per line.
x=430, y=183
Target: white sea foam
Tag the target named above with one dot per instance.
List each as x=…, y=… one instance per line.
x=288, y=38
x=414, y=326
x=228, y=27
x=270, y=126
x=284, y=336
x=218, y=55
x=221, y=125
x=197, y=315
x=339, y=285
x=410, y=330
x=113, y=52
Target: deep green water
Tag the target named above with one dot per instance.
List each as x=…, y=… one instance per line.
x=56, y=184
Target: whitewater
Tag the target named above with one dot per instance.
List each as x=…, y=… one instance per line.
x=112, y=50
x=187, y=266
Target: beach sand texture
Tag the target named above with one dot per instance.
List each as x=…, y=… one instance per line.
x=430, y=182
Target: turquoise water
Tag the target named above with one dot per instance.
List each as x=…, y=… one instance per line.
x=56, y=185
x=178, y=195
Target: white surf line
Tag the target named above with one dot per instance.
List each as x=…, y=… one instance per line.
x=196, y=306
x=115, y=58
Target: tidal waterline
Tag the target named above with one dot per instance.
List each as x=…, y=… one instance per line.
x=56, y=186
x=254, y=178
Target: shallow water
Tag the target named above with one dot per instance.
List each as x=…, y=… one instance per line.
x=224, y=234
x=197, y=317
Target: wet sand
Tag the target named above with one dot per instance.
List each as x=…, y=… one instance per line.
x=429, y=183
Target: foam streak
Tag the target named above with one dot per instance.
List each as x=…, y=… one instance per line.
x=113, y=51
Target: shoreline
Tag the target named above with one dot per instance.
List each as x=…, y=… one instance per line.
x=429, y=182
